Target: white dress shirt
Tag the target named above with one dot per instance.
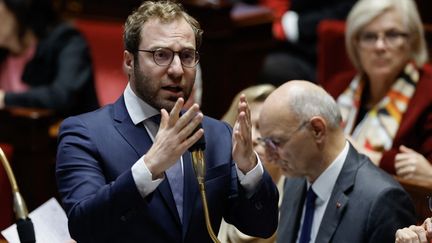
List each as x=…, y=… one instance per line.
x=139, y=112
x=323, y=187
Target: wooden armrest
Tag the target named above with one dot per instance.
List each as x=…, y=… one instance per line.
x=27, y=131
x=24, y=126
x=419, y=192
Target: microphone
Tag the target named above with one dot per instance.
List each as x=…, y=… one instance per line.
x=198, y=163
x=24, y=224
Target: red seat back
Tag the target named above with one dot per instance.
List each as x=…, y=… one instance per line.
x=332, y=56
x=105, y=39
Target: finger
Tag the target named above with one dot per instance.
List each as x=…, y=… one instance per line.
x=190, y=127
x=188, y=117
x=164, y=118
x=405, y=149
x=406, y=235
x=402, y=163
x=243, y=131
x=402, y=156
x=428, y=227
x=420, y=232
x=175, y=112
x=191, y=140
x=405, y=172
x=245, y=106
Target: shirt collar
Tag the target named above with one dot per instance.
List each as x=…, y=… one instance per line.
x=324, y=184
x=138, y=109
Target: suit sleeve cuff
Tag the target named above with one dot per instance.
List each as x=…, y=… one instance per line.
x=290, y=26
x=251, y=180
x=143, y=178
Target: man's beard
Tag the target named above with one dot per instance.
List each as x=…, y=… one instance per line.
x=147, y=90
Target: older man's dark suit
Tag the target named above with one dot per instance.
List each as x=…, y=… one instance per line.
x=96, y=151
x=366, y=205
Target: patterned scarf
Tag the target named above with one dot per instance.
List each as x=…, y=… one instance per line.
x=378, y=128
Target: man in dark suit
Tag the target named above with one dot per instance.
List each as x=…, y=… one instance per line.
x=348, y=198
x=125, y=177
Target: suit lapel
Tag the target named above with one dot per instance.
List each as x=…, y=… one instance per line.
x=140, y=141
x=135, y=135
x=291, y=214
x=339, y=199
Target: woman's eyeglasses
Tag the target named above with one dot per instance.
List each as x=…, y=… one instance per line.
x=391, y=38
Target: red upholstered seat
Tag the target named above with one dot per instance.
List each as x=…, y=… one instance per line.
x=105, y=39
x=6, y=208
x=332, y=56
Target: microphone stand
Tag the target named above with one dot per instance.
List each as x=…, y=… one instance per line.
x=199, y=168
x=24, y=224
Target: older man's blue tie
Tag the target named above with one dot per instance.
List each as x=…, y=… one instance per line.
x=305, y=235
x=174, y=175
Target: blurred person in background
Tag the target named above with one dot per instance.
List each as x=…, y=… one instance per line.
x=295, y=29
x=44, y=62
x=332, y=193
x=386, y=104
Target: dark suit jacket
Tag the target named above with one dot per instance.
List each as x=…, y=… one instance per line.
x=366, y=205
x=95, y=153
x=60, y=75
x=415, y=130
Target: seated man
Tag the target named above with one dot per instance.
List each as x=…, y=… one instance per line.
x=349, y=199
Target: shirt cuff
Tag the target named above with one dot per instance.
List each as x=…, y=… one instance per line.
x=143, y=178
x=290, y=26
x=252, y=178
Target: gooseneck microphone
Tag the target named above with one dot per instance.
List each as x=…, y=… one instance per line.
x=198, y=163
x=24, y=224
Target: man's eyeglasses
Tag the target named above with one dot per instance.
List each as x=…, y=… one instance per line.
x=391, y=38
x=164, y=56
x=272, y=145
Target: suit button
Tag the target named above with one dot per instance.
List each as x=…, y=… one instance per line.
x=258, y=205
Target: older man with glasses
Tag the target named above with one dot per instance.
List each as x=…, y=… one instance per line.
x=332, y=193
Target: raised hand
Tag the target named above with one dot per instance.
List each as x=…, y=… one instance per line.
x=174, y=137
x=243, y=152
x=411, y=164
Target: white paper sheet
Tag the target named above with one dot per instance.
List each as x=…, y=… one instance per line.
x=50, y=224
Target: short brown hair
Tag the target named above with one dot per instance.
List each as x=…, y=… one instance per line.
x=166, y=11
